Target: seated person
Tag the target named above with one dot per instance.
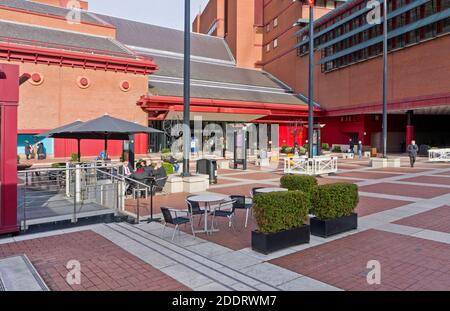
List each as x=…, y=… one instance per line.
x=149, y=169
x=173, y=161
x=160, y=176
x=140, y=167
x=126, y=170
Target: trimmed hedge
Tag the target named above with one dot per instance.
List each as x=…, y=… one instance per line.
x=280, y=211
x=306, y=184
x=299, y=182
x=335, y=200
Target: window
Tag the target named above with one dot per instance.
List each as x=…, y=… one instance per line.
x=275, y=43
x=275, y=22
x=268, y=48
x=268, y=28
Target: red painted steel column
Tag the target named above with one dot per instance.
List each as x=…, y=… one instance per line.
x=9, y=97
x=409, y=134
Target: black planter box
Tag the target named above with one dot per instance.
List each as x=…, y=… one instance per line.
x=329, y=227
x=268, y=243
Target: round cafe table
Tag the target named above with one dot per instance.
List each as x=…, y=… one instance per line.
x=207, y=199
x=268, y=190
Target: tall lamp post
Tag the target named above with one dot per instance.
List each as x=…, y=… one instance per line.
x=385, y=77
x=311, y=81
x=187, y=87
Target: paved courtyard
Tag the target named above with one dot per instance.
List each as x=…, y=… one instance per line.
x=404, y=224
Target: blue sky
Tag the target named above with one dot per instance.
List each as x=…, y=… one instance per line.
x=168, y=13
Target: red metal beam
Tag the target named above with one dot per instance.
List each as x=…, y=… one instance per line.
x=403, y=104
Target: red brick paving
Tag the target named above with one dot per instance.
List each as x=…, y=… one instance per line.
x=325, y=181
x=437, y=220
x=222, y=181
x=367, y=175
x=235, y=239
x=104, y=265
x=370, y=205
x=175, y=200
x=401, y=170
x=407, y=263
x=406, y=190
x=435, y=180
x=240, y=190
x=258, y=176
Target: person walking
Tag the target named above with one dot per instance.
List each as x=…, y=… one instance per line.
x=27, y=149
x=352, y=147
x=360, y=149
x=412, y=152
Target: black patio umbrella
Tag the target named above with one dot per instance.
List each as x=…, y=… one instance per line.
x=105, y=128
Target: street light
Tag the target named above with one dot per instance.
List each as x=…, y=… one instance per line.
x=187, y=87
x=385, y=77
x=311, y=81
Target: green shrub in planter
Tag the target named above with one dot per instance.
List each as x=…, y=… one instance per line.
x=74, y=157
x=168, y=168
x=306, y=184
x=325, y=147
x=335, y=200
x=337, y=149
x=285, y=149
x=280, y=211
x=166, y=150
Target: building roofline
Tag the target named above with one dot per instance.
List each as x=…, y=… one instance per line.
x=105, y=24
x=52, y=56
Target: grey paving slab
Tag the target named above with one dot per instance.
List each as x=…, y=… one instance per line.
x=388, y=196
x=188, y=277
x=236, y=259
x=213, y=287
x=209, y=249
x=400, y=229
x=433, y=236
x=270, y=274
x=18, y=274
x=305, y=283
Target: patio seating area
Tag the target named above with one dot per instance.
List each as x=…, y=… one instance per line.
x=403, y=217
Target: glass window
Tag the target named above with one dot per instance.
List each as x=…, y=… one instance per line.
x=275, y=43
x=275, y=22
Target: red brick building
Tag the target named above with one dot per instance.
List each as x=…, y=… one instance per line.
x=249, y=65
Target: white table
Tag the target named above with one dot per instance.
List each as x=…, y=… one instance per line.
x=268, y=190
x=207, y=199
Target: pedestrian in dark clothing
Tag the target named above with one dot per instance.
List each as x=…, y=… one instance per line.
x=352, y=147
x=41, y=152
x=412, y=152
x=27, y=149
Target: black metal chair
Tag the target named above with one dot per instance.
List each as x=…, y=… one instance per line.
x=242, y=202
x=194, y=208
x=229, y=213
x=175, y=220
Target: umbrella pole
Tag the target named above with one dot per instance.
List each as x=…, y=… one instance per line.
x=79, y=149
x=106, y=147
